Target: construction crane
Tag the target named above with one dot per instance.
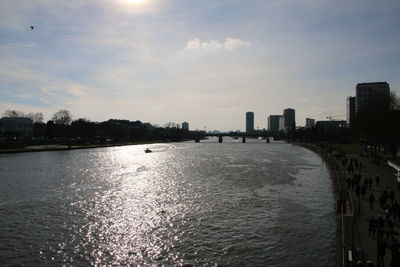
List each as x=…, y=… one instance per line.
x=331, y=118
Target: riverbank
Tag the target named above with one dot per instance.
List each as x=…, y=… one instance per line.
x=372, y=167
x=60, y=147
x=359, y=244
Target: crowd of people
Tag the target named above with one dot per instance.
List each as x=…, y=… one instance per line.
x=382, y=204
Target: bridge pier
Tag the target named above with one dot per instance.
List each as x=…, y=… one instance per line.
x=220, y=139
x=197, y=140
x=244, y=139
x=267, y=139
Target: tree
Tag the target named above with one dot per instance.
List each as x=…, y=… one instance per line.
x=63, y=117
x=83, y=128
x=13, y=113
x=36, y=117
x=172, y=125
x=392, y=140
x=392, y=126
x=378, y=122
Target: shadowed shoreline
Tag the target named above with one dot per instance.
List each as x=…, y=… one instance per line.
x=332, y=173
x=354, y=222
x=60, y=147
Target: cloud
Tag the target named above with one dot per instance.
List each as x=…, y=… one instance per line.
x=231, y=109
x=229, y=44
x=106, y=59
x=300, y=100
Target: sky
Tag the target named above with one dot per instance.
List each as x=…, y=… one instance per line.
x=206, y=62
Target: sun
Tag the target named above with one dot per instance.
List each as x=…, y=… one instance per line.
x=137, y=6
x=135, y=2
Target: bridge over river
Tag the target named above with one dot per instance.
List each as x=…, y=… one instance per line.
x=242, y=136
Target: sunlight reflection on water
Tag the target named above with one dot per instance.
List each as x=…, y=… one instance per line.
x=198, y=204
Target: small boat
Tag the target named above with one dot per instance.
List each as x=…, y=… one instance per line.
x=148, y=150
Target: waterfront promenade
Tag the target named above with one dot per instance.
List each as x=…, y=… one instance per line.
x=365, y=244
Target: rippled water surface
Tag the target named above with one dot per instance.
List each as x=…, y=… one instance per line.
x=206, y=204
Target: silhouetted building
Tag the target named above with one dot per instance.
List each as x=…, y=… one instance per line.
x=365, y=92
x=326, y=125
x=16, y=127
x=249, y=122
x=273, y=123
x=281, y=123
x=350, y=110
x=185, y=126
x=310, y=123
x=289, y=117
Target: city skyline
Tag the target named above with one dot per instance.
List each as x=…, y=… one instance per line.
x=202, y=62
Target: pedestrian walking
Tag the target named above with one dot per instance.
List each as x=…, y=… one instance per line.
x=358, y=191
x=371, y=199
x=388, y=212
x=380, y=224
x=371, y=227
x=363, y=190
x=380, y=199
x=370, y=183
x=383, y=199
x=381, y=252
x=395, y=249
x=391, y=195
x=396, y=211
x=390, y=230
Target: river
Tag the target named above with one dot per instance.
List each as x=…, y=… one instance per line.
x=185, y=204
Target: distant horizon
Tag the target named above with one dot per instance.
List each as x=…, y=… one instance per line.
x=256, y=127
x=206, y=63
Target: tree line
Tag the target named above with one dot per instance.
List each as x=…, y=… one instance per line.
x=62, y=128
x=376, y=125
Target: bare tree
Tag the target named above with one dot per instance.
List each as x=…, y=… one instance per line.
x=63, y=117
x=13, y=113
x=172, y=125
x=36, y=117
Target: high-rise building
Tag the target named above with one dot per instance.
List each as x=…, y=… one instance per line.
x=249, y=122
x=185, y=126
x=310, y=123
x=289, y=117
x=350, y=110
x=365, y=92
x=281, y=123
x=273, y=123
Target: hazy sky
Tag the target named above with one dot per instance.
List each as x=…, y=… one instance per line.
x=206, y=62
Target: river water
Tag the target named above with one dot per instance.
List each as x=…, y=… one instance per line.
x=185, y=204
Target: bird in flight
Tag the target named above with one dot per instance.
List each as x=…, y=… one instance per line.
x=32, y=28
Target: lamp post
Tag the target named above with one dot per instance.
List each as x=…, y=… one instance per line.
x=378, y=232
